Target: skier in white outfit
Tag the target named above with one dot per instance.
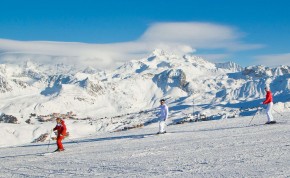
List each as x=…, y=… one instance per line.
x=163, y=116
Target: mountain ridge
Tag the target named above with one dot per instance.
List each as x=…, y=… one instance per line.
x=129, y=95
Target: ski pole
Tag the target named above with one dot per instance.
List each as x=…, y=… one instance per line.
x=253, y=117
x=49, y=140
x=278, y=112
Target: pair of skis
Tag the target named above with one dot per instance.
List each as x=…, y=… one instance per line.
x=267, y=123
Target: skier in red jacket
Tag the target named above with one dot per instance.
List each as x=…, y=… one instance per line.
x=269, y=101
x=61, y=133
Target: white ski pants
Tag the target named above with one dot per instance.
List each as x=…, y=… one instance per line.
x=162, y=126
x=269, y=112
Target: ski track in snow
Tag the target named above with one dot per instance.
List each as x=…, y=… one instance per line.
x=222, y=148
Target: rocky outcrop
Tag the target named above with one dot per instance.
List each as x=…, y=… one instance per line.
x=8, y=119
x=171, y=78
x=4, y=85
x=94, y=88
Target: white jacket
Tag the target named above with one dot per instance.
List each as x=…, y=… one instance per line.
x=163, y=115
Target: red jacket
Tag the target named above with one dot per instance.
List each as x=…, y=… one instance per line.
x=61, y=129
x=269, y=98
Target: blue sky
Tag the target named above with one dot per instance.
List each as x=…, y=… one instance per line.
x=264, y=24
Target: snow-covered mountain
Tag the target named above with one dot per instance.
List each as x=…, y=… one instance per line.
x=111, y=100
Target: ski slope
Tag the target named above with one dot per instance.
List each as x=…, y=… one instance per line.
x=221, y=148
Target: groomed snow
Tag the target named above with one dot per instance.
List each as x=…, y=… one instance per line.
x=221, y=148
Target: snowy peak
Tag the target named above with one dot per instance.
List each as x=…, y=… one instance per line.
x=160, y=60
x=257, y=71
x=231, y=66
x=159, y=52
x=199, y=62
x=132, y=67
x=90, y=70
x=262, y=71
x=282, y=70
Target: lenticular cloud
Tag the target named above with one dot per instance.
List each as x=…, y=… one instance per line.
x=179, y=38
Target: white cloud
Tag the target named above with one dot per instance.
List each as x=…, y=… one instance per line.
x=178, y=38
x=188, y=32
x=198, y=35
x=273, y=60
